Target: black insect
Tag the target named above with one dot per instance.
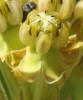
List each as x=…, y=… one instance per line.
x=27, y=8
x=61, y=1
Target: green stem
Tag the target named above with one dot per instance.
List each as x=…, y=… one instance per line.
x=41, y=89
x=2, y=97
x=54, y=93
x=10, y=82
x=25, y=90
x=3, y=88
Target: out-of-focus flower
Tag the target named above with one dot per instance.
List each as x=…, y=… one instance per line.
x=10, y=13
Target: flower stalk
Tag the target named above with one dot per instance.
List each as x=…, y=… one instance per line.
x=41, y=89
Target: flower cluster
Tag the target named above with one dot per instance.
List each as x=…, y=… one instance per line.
x=49, y=42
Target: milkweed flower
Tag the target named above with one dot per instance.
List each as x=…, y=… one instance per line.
x=51, y=46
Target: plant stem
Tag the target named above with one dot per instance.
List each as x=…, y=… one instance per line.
x=10, y=82
x=54, y=93
x=41, y=89
x=3, y=88
x=25, y=90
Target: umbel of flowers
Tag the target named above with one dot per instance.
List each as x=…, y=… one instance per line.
x=48, y=42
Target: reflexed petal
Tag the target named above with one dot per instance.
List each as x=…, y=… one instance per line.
x=25, y=63
x=14, y=57
x=30, y=65
x=52, y=69
x=71, y=57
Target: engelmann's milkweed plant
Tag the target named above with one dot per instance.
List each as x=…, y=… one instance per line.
x=41, y=49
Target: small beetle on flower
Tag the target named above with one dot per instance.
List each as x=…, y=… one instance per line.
x=27, y=8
